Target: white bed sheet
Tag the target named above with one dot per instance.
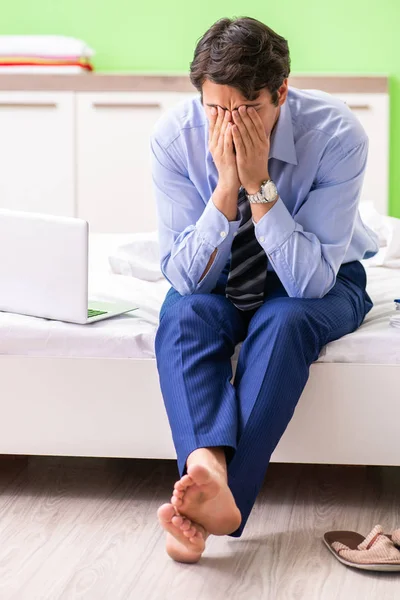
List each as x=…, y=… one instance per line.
x=132, y=335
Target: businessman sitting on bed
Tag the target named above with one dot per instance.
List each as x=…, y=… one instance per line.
x=257, y=188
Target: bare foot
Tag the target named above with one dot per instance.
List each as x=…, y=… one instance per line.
x=185, y=540
x=203, y=496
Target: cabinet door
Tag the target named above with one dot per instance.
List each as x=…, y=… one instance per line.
x=37, y=152
x=114, y=187
x=372, y=110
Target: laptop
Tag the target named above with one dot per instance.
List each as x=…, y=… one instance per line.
x=44, y=269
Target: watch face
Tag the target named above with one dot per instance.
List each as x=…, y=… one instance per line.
x=269, y=190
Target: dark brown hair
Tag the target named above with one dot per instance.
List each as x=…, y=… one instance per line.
x=242, y=53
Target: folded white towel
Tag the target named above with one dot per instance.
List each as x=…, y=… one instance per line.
x=43, y=45
x=38, y=70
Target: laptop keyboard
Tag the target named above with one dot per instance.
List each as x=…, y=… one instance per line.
x=95, y=313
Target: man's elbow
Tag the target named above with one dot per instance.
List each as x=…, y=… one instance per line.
x=176, y=279
x=316, y=288
x=314, y=294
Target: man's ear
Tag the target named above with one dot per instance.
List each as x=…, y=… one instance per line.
x=283, y=92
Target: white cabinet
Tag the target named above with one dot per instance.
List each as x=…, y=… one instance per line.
x=114, y=189
x=87, y=154
x=37, y=152
x=372, y=110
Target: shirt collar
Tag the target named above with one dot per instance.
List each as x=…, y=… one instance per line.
x=282, y=141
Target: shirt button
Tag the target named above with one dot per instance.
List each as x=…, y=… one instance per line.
x=262, y=238
x=223, y=233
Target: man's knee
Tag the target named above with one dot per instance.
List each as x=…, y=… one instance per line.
x=290, y=318
x=210, y=308
x=283, y=312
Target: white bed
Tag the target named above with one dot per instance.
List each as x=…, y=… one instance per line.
x=99, y=383
x=94, y=391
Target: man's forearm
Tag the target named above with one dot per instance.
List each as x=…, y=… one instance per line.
x=259, y=210
x=226, y=201
x=223, y=203
x=210, y=262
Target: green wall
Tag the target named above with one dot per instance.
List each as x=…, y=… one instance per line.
x=337, y=37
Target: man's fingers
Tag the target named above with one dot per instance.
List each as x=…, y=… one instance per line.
x=228, y=140
x=218, y=125
x=213, y=120
x=244, y=113
x=218, y=135
x=258, y=124
x=239, y=145
x=227, y=118
x=220, y=144
x=246, y=137
x=221, y=138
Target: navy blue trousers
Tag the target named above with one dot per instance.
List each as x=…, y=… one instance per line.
x=194, y=343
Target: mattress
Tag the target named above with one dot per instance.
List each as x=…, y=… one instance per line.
x=132, y=335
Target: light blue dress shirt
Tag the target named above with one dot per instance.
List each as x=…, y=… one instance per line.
x=317, y=160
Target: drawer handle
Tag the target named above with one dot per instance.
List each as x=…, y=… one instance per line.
x=126, y=104
x=359, y=106
x=28, y=104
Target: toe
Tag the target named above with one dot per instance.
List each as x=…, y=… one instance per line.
x=186, y=525
x=194, y=535
x=166, y=512
x=177, y=520
x=185, y=543
x=176, y=501
x=185, y=540
x=200, y=474
x=185, y=481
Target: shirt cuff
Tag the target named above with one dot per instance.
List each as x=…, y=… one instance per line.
x=214, y=227
x=275, y=227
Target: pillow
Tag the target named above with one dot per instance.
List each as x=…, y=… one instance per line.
x=389, y=254
x=103, y=245
x=140, y=257
x=392, y=255
x=375, y=221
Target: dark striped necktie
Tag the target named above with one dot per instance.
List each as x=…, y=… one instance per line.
x=248, y=268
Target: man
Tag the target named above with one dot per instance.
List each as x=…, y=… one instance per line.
x=257, y=188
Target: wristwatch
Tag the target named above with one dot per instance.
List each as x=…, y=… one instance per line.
x=267, y=193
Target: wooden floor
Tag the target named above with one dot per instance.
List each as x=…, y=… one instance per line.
x=86, y=528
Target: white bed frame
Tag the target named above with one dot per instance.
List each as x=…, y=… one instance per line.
x=347, y=414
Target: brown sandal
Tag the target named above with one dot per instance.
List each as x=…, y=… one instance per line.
x=377, y=552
